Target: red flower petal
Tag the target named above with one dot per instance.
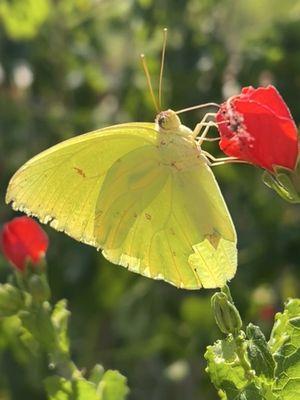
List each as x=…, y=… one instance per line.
x=22, y=240
x=256, y=126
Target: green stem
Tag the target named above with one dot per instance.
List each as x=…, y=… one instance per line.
x=64, y=366
x=240, y=342
x=37, y=318
x=241, y=354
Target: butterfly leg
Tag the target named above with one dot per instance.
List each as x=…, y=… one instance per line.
x=215, y=161
x=228, y=161
x=206, y=125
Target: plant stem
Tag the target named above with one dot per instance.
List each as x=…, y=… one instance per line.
x=64, y=366
x=240, y=343
x=48, y=328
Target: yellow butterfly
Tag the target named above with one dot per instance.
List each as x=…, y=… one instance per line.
x=144, y=193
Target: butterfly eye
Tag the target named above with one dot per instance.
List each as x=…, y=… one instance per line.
x=161, y=120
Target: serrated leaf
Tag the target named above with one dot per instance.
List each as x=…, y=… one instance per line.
x=61, y=389
x=224, y=371
x=259, y=354
x=228, y=376
x=285, y=344
x=113, y=386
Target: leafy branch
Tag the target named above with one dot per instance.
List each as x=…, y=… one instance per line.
x=44, y=328
x=244, y=366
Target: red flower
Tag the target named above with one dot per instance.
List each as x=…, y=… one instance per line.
x=257, y=126
x=23, y=240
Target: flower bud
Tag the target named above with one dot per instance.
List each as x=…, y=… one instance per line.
x=11, y=300
x=22, y=240
x=226, y=314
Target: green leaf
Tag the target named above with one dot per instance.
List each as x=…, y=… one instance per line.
x=285, y=344
x=60, y=317
x=96, y=374
x=61, y=389
x=113, y=386
x=259, y=353
x=11, y=300
x=229, y=377
x=36, y=320
x=225, y=372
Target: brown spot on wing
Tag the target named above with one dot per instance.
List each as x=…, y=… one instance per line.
x=214, y=239
x=80, y=172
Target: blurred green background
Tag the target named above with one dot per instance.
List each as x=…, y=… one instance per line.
x=70, y=66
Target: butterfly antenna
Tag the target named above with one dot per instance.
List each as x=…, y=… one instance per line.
x=165, y=33
x=197, y=107
x=143, y=59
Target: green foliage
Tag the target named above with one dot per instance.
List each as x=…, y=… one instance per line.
x=60, y=389
x=11, y=300
x=44, y=328
x=275, y=366
x=22, y=19
x=229, y=376
x=59, y=317
x=225, y=371
x=259, y=354
x=285, y=344
x=112, y=386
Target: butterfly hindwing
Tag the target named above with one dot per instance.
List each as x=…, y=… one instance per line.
x=157, y=223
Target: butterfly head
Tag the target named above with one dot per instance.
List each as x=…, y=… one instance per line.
x=168, y=120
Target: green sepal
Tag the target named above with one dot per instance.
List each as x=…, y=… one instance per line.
x=259, y=354
x=285, y=182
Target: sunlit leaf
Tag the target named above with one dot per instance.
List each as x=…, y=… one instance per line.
x=285, y=342
x=113, y=386
x=61, y=389
x=259, y=353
